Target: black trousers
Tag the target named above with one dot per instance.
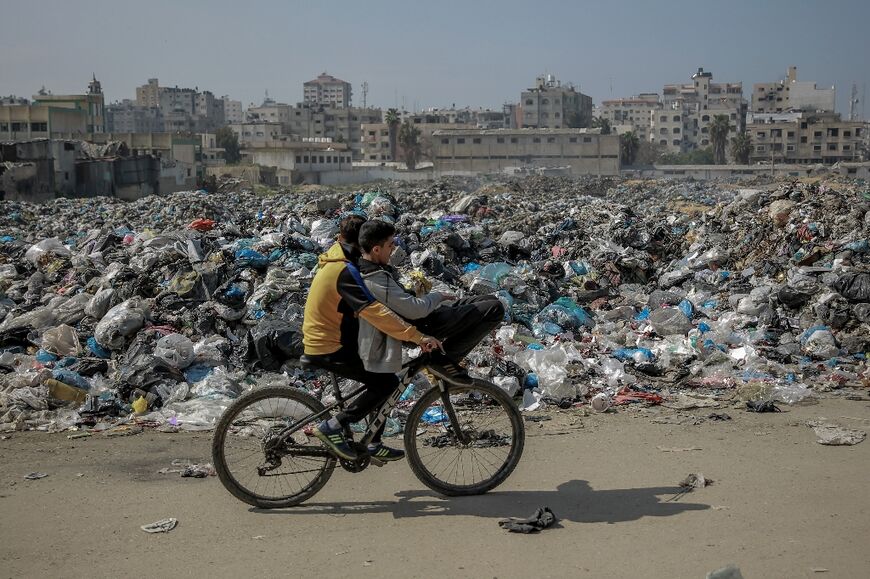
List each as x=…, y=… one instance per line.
x=346, y=363
x=463, y=324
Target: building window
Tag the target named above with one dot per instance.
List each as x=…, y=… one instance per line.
x=460, y=141
x=790, y=134
x=321, y=159
x=39, y=127
x=676, y=119
x=17, y=127
x=557, y=115
x=705, y=118
x=760, y=134
x=4, y=127
x=371, y=133
x=847, y=147
x=832, y=146
x=676, y=142
x=587, y=139
x=305, y=159
x=759, y=149
x=572, y=140
x=817, y=147
x=529, y=102
x=445, y=141
x=499, y=140
x=476, y=141
x=790, y=148
x=676, y=130
x=663, y=143
x=536, y=140
x=705, y=142
x=329, y=158
x=545, y=101
x=847, y=133
x=298, y=158
x=663, y=131
x=817, y=134
x=514, y=140
x=663, y=119
x=551, y=139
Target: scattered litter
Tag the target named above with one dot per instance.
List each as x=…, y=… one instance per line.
x=667, y=449
x=540, y=519
x=729, y=572
x=766, y=406
x=35, y=476
x=161, y=526
x=833, y=435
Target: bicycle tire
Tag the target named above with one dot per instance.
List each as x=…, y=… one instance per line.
x=431, y=480
x=224, y=473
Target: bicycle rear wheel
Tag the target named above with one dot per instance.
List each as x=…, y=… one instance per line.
x=495, y=439
x=250, y=464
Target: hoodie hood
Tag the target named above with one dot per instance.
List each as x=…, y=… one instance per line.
x=338, y=252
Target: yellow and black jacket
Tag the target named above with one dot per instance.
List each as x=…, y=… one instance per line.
x=337, y=298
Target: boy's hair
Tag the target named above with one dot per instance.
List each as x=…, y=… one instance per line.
x=349, y=228
x=374, y=233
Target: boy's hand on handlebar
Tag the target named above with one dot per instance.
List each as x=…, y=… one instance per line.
x=430, y=344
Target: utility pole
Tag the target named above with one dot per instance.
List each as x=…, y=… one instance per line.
x=365, y=91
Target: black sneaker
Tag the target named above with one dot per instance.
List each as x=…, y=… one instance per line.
x=386, y=453
x=335, y=441
x=450, y=371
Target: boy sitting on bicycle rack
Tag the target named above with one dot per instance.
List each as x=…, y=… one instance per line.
x=461, y=325
x=336, y=301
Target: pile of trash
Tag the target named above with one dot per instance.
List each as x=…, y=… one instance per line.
x=163, y=310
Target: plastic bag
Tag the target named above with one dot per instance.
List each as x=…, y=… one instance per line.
x=122, y=321
x=174, y=350
x=62, y=341
x=100, y=303
x=669, y=322
x=52, y=245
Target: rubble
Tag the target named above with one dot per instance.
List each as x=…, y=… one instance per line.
x=163, y=310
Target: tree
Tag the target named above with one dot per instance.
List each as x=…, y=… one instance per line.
x=719, y=129
x=741, y=147
x=227, y=140
x=392, y=120
x=697, y=157
x=628, y=146
x=409, y=139
x=575, y=120
x=601, y=123
x=649, y=153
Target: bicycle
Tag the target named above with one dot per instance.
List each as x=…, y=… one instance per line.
x=477, y=428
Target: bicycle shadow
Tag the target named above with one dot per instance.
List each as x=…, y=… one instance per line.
x=574, y=501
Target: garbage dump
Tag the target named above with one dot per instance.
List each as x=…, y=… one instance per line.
x=618, y=294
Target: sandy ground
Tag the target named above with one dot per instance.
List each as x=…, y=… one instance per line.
x=782, y=506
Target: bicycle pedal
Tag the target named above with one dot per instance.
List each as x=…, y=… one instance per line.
x=376, y=461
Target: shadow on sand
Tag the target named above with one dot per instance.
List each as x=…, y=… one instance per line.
x=574, y=501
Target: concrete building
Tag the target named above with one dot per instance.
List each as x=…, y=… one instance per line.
x=790, y=94
x=260, y=132
x=551, y=105
x=300, y=161
x=683, y=123
x=13, y=100
x=631, y=114
x=806, y=138
x=148, y=95
x=491, y=151
x=182, y=109
x=50, y=113
x=128, y=117
x=375, y=138
x=233, y=112
x=326, y=90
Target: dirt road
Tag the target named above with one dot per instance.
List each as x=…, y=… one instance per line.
x=782, y=506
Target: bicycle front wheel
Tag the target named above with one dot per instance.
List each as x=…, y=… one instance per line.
x=494, y=439
x=250, y=463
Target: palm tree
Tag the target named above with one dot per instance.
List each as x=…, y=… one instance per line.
x=741, y=147
x=719, y=129
x=392, y=120
x=628, y=146
x=409, y=139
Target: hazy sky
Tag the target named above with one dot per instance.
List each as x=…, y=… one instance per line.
x=471, y=53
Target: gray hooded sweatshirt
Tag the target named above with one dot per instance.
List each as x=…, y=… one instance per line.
x=378, y=351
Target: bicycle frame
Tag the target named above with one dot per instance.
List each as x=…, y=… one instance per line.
x=409, y=370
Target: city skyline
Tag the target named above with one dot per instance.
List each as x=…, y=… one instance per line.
x=479, y=55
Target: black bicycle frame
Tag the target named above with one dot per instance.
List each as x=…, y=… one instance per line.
x=407, y=373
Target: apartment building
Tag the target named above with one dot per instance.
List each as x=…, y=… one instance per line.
x=551, y=105
x=375, y=137
x=806, y=138
x=683, y=123
x=128, y=117
x=631, y=114
x=326, y=90
x=50, y=113
x=790, y=94
x=491, y=151
x=233, y=112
